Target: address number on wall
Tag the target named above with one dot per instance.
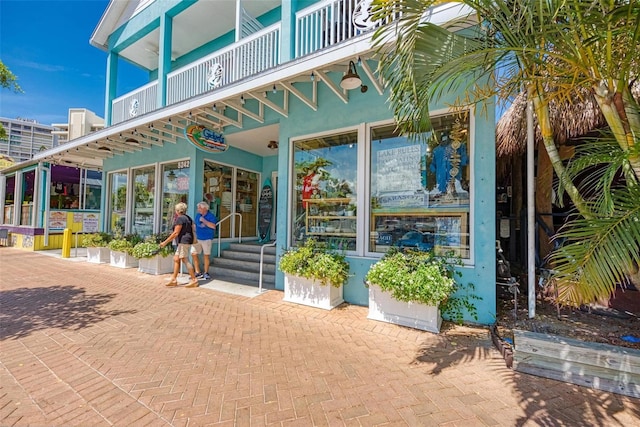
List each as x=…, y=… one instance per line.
x=183, y=164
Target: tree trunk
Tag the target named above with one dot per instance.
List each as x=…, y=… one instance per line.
x=541, y=109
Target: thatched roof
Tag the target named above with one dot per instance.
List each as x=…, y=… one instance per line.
x=569, y=119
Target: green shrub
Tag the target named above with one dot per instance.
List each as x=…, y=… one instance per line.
x=125, y=243
x=97, y=240
x=148, y=249
x=315, y=261
x=425, y=278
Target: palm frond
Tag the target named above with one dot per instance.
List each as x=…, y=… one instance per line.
x=600, y=252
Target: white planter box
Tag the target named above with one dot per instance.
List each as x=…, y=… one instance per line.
x=123, y=260
x=309, y=292
x=98, y=255
x=156, y=265
x=384, y=308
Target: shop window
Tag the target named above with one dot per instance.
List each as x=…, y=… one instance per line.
x=28, y=182
x=117, y=202
x=9, y=199
x=420, y=189
x=143, y=191
x=175, y=189
x=325, y=190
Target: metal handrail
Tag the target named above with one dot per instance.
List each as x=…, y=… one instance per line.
x=262, y=262
x=223, y=220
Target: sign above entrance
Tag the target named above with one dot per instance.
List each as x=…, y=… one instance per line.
x=206, y=139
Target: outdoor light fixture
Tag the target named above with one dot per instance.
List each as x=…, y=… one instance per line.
x=273, y=145
x=274, y=88
x=351, y=79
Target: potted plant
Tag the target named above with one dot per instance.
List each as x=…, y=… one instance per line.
x=97, y=250
x=412, y=288
x=153, y=259
x=314, y=275
x=121, y=249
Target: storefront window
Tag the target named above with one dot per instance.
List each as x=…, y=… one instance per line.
x=420, y=190
x=118, y=202
x=143, y=191
x=93, y=193
x=9, y=199
x=175, y=189
x=325, y=190
x=28, y=181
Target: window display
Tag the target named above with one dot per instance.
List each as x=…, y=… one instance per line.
x=118, y=202
x=420, y=190
x=175, y=189
x=143, y=194
x=325, y=190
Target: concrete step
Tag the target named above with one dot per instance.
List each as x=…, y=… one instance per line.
x=238, y=264
x=241, y=263
x=252, y=248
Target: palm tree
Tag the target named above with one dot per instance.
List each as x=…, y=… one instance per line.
x=549, y=50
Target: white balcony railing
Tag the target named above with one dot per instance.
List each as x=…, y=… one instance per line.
x=250, y=56
x=136, y=103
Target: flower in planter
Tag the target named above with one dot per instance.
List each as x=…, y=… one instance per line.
x=97, y=240
x=124, y=243
x=425, y=278
x=316, y=261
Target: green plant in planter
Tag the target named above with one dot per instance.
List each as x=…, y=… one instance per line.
x=124, y=243
x=97, y=240
x=151, y=247
x=316, y=261
x=425, y=278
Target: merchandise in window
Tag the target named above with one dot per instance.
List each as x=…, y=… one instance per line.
x=420, y=189
x=143, y=191
x=325, y=190
x=118, y=202
x=175, y=189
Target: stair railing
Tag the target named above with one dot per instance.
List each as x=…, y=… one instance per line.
x=220, y=234
x=262, y=262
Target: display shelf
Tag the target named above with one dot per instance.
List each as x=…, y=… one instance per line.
x=323, y=214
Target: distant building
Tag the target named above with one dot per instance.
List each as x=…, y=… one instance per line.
x=81, y=122
x=25, y=138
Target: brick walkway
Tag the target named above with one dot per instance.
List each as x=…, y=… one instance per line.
x=91, y=345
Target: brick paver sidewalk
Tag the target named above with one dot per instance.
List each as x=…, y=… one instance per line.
x=89, y=345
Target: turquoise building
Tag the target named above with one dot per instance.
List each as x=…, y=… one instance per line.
x=242, y=93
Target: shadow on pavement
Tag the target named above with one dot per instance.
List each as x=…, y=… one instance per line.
x=24, y=311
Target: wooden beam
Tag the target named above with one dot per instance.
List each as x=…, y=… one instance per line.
x=311, y=103
x=374, y=80
x=284, y=110
x=240, y=108
x=340, y=93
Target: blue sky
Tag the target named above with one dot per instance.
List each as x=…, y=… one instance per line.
x=45, y=43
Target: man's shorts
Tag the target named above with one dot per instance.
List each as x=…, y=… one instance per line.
x=183, y=250
x=203, y=246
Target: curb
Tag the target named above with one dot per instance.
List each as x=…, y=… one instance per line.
x=503, y=346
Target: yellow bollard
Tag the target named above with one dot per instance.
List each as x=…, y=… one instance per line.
x=66, y=243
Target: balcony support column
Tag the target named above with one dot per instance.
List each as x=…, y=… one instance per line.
x=288, y=30
x=112, y=80
x=164, y=57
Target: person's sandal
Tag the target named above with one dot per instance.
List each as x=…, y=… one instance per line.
x=172, y=283
x=193, y=284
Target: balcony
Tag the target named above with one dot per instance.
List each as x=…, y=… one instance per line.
x=323, y=25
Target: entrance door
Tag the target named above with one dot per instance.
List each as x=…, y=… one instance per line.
x=232, y=190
